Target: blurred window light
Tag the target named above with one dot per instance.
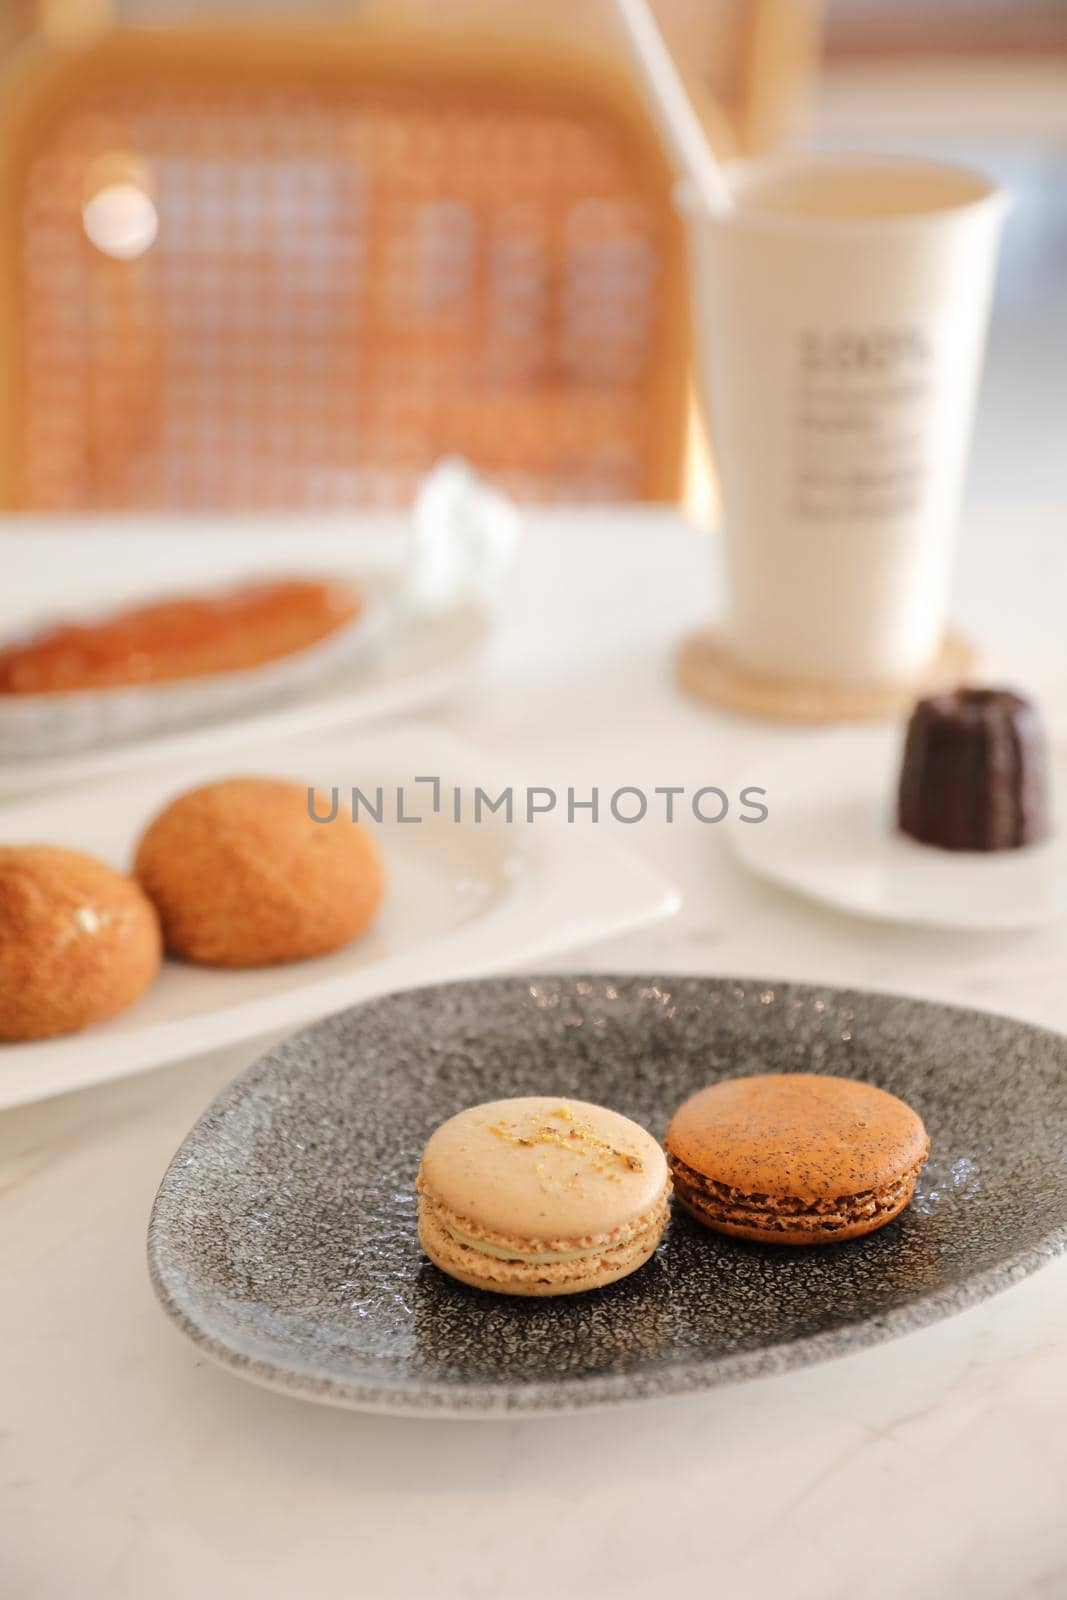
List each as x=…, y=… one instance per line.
x=121, y=221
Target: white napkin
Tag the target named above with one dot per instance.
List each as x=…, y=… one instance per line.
x=464, y=539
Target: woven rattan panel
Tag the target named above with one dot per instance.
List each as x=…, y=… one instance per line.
x=344, y=286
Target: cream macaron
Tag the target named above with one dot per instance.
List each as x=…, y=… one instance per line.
x=541, y=1196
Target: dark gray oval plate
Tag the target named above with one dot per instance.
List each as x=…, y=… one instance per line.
x=283, y=1236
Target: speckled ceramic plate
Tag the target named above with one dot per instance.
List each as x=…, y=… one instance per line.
x=283, y=1237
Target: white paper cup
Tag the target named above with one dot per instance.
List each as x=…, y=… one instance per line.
x=841, y=315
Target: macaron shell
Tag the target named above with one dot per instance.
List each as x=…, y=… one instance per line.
x=805, y=1135
x=546, y=1170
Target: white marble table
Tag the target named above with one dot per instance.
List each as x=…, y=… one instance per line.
x=934, y=1465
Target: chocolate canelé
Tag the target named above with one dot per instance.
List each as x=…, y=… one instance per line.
x=975, y=772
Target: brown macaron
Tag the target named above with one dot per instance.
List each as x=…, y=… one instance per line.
x=795, y=1158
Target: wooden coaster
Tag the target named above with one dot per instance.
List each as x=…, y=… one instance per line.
x=704, y=669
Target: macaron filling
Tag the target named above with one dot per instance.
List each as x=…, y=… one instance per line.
x=512, y=1252
x=542, y=1252
x=722, y=1204
x=533, y=1266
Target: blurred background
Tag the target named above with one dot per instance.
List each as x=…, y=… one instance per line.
x=265, y=255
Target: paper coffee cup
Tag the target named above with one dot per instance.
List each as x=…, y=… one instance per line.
x=841, y=315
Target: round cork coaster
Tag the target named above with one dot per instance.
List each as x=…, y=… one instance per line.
x=704, y=669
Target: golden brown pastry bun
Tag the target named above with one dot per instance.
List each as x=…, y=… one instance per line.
x=242, y=876
x=78, y=941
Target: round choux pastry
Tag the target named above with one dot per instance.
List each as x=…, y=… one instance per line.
x=243, y=876
x=78, y=941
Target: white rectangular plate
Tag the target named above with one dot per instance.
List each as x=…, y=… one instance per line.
x=463, y=899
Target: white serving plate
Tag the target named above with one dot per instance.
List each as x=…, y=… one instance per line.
x=463, y=899
x=81, y=568
x=831, y=837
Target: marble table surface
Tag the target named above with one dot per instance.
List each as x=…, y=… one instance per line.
x=933, y=1465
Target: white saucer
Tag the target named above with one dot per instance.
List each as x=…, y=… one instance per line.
x=830, y=836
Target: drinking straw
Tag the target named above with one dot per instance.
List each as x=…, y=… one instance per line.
x=678, y=122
